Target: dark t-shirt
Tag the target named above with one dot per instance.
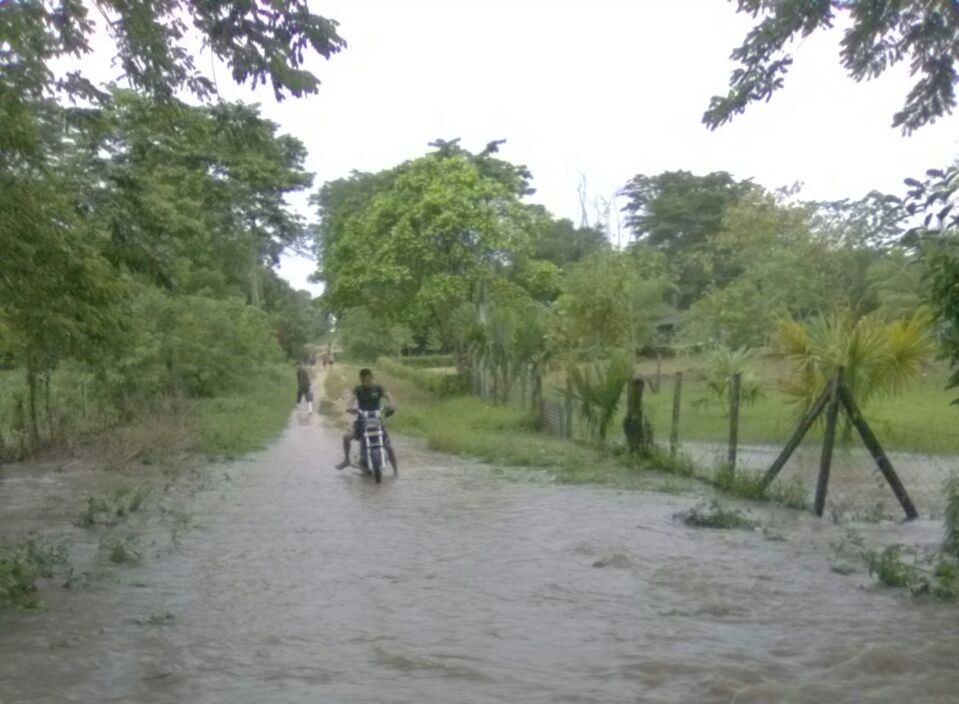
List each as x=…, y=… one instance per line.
x=303, y=379
x=368, y=398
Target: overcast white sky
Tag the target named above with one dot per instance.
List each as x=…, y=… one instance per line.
x=605, y=88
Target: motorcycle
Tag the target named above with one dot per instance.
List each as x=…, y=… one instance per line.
x=373, y=454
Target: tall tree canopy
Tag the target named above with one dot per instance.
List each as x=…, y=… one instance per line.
x=424, y=242
x=881, y=34
x=677, y=212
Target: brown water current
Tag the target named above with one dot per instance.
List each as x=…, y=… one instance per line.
x=290, y=582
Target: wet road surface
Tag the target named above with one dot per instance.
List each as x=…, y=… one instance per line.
x=296, y=583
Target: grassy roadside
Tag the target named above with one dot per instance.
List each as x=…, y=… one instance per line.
x=500, y=435
x=230, y=426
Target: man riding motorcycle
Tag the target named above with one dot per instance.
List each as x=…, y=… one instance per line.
x=368, y=397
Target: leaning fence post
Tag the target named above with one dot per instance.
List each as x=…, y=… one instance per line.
x=674, y=426
x=734, y=396
x=804, y=425
x=568, y=410
x=828, y=442
x=875, y=449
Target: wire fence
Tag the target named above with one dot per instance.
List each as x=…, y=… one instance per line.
x=745, y=433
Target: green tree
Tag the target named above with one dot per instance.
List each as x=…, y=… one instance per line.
x=434, y=237
x=880, y=35
x=613, y=300
x=365, y=337
x=678, y=213
x=562, y=243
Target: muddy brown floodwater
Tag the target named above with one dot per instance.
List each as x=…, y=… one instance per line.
x=455, y=583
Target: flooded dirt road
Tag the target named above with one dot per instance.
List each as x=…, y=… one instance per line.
x=454, y=583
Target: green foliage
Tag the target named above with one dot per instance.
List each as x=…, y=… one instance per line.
x=597, y=390
x=247, y=417
x=365, y=337
x=714, y=515
x=613, y=300
x=22, y=563
x=439, y=383
x=192, y=344
x=428, y=361
x=132, y=228
x=940, y=257
x=744, y=485
x=678, y=213
x=722, y=365
x=878, y=357
x=563, y=244
x=114, y=507
x=878, y=36
x=431, y=236
x=258, y=44
x=890, y=569
x=504, y=436
x=887, y=566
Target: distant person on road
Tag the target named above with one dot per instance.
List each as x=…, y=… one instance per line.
x=304, y=392
x=368, y=397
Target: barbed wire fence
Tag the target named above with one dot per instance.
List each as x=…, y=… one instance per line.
x=737, y=435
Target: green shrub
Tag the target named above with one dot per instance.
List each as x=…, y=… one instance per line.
x=439, y=383
x=745, y=485
x=428, y=361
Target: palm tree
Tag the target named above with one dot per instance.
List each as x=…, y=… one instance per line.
x=878, y=357
x=597, y=391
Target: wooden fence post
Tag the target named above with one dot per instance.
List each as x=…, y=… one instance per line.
x=735, y=388
x=659, y=364
x=879, y=456
x=568, y=410
x=804, y=425
x=674, y=426
x=636, y=426
x=828, y=442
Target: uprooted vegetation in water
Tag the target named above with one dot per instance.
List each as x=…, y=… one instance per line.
x=936, y=577
x=122, y=550
x=112, y=508
x=714, y=515
x=23, y=562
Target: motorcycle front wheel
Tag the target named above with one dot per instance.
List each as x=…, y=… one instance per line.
x=376, y=459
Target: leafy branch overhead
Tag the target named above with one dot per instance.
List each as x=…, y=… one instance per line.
x=260, y=41
x=879, y=35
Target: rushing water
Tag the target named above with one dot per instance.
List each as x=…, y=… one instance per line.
x=296, y=583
